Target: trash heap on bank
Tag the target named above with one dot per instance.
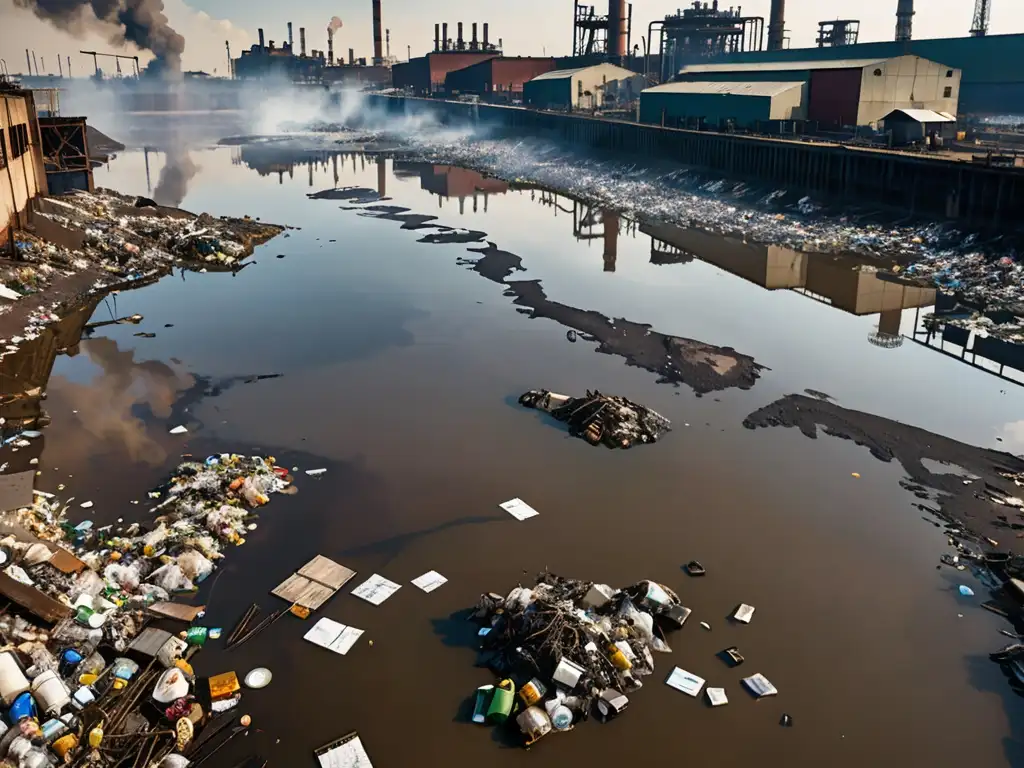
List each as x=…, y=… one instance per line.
x=566, y=649
x=613, y=421
x=85, y=679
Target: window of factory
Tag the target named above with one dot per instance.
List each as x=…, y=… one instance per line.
x=878, y=73
x=949, y=73
x=18, y=135
x=947, y=92
x=3, y=150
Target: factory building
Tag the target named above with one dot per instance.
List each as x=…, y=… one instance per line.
x=425, y=76
x=497, y=79
x=914, y=126
x=847, y=92
x=596, y=87
x=23, y=175
x=723, y=105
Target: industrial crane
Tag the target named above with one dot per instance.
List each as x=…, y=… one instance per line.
x=116, y=56
x=982, y=14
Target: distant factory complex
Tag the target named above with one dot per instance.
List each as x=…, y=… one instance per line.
x=703, y=67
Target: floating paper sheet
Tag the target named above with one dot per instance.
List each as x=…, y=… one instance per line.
x=376, y=589
x=717, y=697
x=430, y=581
x=333, y=635
x=519, y=509
x=684, y=681
x=346, y=752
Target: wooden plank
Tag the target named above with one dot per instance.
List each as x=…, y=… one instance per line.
x=42, y=605
x=327, y=572
x=299, y=590
x=66, y=562
x=179, y=611
x=150, y=641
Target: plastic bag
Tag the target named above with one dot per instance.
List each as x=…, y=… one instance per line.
x=127, y=577
x=194, y=565
x=88, y=582
x=171, y=578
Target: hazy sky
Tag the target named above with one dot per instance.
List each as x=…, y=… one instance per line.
x=527, y=27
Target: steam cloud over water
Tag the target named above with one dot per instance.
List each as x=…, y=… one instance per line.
x=141, y=22
x=172, y=185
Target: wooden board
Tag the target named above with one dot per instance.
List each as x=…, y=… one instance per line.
x=42, y=605
x=299, y=590
x=66, y=562
x=150, y=641
x=179, y=611
x=327, y=572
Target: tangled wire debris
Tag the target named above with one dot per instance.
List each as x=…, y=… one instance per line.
x=614, y=421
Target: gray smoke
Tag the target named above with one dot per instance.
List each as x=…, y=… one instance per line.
x=178, y=171
x=141, y=22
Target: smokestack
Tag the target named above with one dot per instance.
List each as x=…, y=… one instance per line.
x=616, y=28
x=60, y=67
x=459, y=44
x=231, y=63
x=777, y=26
x=473, y=44
x=302, y=41
x=291, y=40
x=904, y=20
x=378, y=54
x=28, y=60
x=351, y=57
x=486, y=27
x=387, y=43
x=444, y=36
x=437, y=37
x=263, y=43
x=34, y=61
x=330, y=47
x=69, y=67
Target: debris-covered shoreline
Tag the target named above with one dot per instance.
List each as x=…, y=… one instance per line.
x=86, y=243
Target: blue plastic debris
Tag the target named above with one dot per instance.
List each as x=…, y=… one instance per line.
x=966, y=591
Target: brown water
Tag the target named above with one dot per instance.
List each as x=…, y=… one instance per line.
x=400, y=371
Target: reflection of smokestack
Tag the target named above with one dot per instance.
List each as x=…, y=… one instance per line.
x=444, y=36
x=437, y=37
x=616, y=28
x=459, y=43
x=291, y=41
x=777, y=26
x=904, y=20
x=486, y=27
x=610, y=220
x=263, y=42
x=382, y=177
x=378, y=53
x=302, y=41
x=473, y=44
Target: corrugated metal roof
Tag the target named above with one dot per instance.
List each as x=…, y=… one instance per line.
x=924, y=115
x=558, y=74
x=780, y=66
x=735, y=89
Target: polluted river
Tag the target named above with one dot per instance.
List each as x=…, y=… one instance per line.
x=820, y=441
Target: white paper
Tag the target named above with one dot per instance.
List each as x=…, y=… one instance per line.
x=376, y=589
x=684, y=681
x=315, y=472
x=759, y=685
x=430, y=581
x=351, y=754
x=333, y=635
x=744, y=613
x=519, y=509
x=179, y=431
x=716, y=696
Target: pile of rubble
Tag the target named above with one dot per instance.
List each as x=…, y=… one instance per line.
x=575, y=647
x=601, y=419
x=84, y=679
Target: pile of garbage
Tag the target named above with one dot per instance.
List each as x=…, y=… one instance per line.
x=979, y=278
x=565, y=649
x=83, y=678
x=601, y=419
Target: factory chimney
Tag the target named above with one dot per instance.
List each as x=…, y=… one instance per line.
x=302, y=41
x=330, y=48
x=904, y=20
x=486, y=33
x=437, y=37
x=378, y=54
x=777, y=26
x=263, y=43
x=351, y=57
x=474, y=44
x=444, y=36
x=291, y=40
x=28, y=61
x=459, y=44
x=616, y=28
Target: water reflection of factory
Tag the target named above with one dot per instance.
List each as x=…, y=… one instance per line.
x=281, y=161
x=451, y=182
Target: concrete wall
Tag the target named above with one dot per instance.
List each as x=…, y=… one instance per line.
x=22, y=178
x=907, y=82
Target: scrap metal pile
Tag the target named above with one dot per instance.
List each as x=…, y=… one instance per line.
x=570, y=649
x=614, y=421
x=91, y=683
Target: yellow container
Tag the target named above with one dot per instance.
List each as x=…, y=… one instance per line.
x=532, y=692
x=64, y=744
x=96, y=737
x=618, y=659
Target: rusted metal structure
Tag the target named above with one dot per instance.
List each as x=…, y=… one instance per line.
x=65, y=147
x=704, y=31
x=839, y=32
x=596, y=34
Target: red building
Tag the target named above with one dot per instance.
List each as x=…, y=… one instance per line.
x=426, y=74
x=497, y=79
